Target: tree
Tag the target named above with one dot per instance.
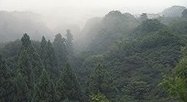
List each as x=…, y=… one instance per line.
x=60, y=88
x=48, y=57
x=43, y=50
x=60, y=50
x=176, y=83
x=69, y=42
x=6, y=85
x=184, y=13
x=100, y=81
x=69, y=38
x=51, y=64
x=143, y=17
x=137, y=89
x=29, y=62
x=44, y=90
x=71, y=86
x=22, y=92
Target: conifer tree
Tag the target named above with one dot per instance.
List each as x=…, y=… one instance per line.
x=60, y=50
x=43, y=50
x=29, y=62
x=71, y=86
x=48, y=56
x=44, y=90
x=51, y=59
x=60, y=88
x=69, y=42
x=22, y=91
x=6, y=85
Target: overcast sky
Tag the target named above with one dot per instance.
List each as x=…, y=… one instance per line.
x=79, y=10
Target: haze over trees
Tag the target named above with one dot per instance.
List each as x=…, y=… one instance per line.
x=118, y=58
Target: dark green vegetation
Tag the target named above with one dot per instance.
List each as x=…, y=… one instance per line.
x=128, y=59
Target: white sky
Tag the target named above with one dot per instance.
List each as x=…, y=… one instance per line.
x=84, y=9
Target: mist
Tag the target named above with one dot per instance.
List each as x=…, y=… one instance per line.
x=93, y=50
x=67, y=12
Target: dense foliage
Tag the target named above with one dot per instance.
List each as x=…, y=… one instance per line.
x=124, y=61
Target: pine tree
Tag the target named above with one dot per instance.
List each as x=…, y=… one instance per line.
x=22, y=92
x=60, y=50
x=52, y=61
x=44, y=90
x=29, y=62
x=60, y=88
x=43, y=50
x=6, y=85
x=48, y=56
x=71, y=86
x=69, y=42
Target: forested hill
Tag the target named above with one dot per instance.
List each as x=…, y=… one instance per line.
x=125, y=59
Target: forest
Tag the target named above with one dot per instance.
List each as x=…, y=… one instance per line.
x=119, y=58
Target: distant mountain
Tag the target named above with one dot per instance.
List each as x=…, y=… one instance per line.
x=89, y=32
x=100, y=34
x=174, y=11
x=14, y=24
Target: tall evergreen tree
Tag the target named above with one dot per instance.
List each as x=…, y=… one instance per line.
x=60, y=88
x=69, y=42
x=71, y=86
x=28, y=71
x=22, y=91
x=51, y=59
x=48, y=56
x=44, y=90
x=43, y=50
x=6, y=85
x=60, y=50
x=29, y=62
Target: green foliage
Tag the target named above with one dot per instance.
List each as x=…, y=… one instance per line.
x=111, y=28
x=48, y=57
x=150, y=25
x=100, y=81
x=135, y=54
x=29, y=62
x=60, y=50
x=60, y=88
x=71, y=85
x=6, y=84
x=137, y=89
x=99, y=98
x=22, y=91
x=176, y=83
x=44, y=90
